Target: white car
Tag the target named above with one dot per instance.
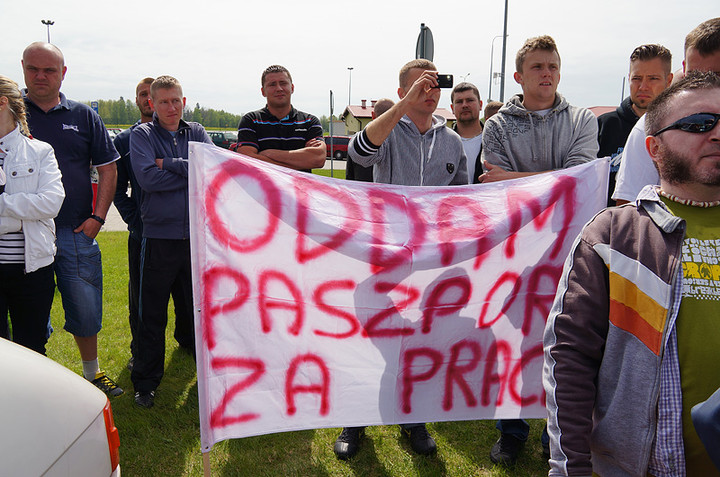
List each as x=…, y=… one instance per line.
x=52, y=421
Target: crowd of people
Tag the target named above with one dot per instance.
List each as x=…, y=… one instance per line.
x=634, y=329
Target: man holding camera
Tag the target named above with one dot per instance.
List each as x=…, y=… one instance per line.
x=408, y=145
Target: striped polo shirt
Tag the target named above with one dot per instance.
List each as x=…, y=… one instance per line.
x=261, y=130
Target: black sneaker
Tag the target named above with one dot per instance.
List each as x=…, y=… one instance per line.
x=348, y=442
x=145, y=399
x=106, y=385
x=505, y=451
x=545, y=449
x=421, y=442
x=131, y=363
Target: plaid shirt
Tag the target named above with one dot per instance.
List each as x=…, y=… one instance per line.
x=668, y=456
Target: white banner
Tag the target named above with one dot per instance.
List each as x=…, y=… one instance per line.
x=327, y=303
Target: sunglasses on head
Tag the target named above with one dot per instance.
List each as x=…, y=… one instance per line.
x=695, y=123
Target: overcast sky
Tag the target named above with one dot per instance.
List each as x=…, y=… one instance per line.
x=218, y=49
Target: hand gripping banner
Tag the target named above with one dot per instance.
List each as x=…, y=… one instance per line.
x=325, y=303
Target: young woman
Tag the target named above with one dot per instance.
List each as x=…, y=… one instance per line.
x=31, y=193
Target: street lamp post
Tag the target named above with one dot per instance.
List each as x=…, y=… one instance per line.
x=350, y=68
x=492, y=51
x=502, y=72
x=48, y=23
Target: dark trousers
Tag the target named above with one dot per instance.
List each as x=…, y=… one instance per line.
x=28, y=298
x=183, y=313
x=165, y=265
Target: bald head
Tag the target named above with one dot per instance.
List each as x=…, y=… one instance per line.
x=47, y=48
x=44, y=70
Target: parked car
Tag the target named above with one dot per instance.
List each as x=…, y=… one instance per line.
x=339, y=147
x=223, y=138
x=52, y=421
x=114, y=132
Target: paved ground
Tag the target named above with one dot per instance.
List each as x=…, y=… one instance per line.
x=113, y=221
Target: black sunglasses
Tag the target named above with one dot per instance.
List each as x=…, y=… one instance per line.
x=695, y=123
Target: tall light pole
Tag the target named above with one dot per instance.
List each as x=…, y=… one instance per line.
x=502, y=71
x=492, y=51
x=350, y=68
x=48, y=23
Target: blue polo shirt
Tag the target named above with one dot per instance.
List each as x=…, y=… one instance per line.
x=80, y=140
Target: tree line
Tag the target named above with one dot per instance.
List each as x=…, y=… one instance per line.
x=123, y=112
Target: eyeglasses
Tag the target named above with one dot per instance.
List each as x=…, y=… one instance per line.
x=695, y=123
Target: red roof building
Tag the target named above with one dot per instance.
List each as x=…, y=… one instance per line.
x=356, y=117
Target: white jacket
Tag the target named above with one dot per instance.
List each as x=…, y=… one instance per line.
x=32, y=197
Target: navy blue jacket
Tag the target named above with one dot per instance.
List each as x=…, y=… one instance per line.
x=128, y=206
x=164, y=208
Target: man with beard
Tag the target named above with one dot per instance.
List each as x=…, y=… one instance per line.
x=466, y=104
x=633, y=334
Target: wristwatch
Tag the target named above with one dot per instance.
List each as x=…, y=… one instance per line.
x=98, y=218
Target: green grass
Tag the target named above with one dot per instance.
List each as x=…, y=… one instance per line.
x=337, y=173
x=165, y=440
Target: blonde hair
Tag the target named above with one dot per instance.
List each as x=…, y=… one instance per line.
x=11, y=91
x=420, y=63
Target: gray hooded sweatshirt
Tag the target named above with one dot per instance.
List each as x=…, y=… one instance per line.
x=407, y=157
x=524, y=141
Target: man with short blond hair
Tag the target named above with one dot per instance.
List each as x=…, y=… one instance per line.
x=408, y=145
x=534, y=132
x=159, y=157
x=80, y=140
x=398, y=143
x=538, y=130
x=128, y=205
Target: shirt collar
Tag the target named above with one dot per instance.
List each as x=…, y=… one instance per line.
x=62, y=105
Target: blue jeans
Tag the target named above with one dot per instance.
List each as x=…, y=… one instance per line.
x=78, y=268
x=519, y=428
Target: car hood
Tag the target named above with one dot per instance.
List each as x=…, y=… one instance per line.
x=45, y=408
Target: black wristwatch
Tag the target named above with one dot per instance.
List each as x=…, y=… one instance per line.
x=99, y=219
